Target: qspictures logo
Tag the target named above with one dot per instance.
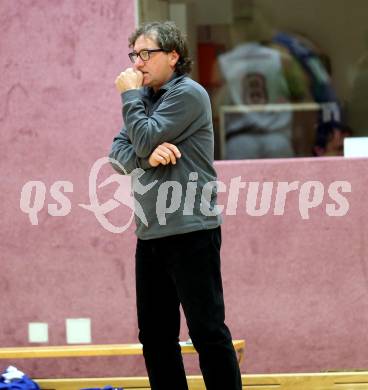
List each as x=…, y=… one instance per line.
x=256, y=198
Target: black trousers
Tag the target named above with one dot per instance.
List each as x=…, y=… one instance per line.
x=184, y=269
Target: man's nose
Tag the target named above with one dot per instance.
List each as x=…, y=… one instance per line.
x=138, y=63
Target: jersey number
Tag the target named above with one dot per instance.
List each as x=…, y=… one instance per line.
x=254, y=89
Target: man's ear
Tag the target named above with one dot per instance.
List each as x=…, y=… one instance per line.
x=173, y=58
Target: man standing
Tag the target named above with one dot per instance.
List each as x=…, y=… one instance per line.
x=168, y=133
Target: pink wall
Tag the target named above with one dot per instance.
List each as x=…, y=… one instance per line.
x=59, y=111
x=296, y=289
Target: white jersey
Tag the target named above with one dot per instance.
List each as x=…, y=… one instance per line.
x=254, y=75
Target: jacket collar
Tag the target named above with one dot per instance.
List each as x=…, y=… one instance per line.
x=149, y=92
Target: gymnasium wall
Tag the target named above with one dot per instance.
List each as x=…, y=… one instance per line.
x=295, y=278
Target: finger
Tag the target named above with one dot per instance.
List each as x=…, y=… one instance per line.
x=139, y=76
x=173, y=148
x=118, y=83
x=167, y=153
x=162, y=160
x=163, y=151
x=172, y=157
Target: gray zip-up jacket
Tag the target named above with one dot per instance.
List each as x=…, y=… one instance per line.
x=169, y=199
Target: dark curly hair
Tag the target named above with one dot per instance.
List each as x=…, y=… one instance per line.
x=168, y=37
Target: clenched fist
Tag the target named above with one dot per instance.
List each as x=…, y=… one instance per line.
x=164, y=154
x=129, y=79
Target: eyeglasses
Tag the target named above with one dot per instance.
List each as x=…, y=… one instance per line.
x=144, y=54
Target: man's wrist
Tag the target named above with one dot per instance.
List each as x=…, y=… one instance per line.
x=144, y=163
x=128, y=89
x=130, y=95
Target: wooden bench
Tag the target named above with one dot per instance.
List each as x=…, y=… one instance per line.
x=310, y=381
x=94, y=350
x=97, y=350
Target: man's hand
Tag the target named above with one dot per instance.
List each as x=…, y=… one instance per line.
x=164, y=154
x=129, y=79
